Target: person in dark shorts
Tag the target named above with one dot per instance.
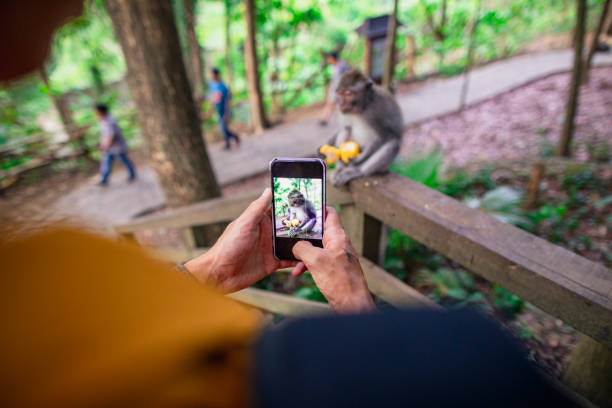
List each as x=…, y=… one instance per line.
x=112, y=144
x=221, y=97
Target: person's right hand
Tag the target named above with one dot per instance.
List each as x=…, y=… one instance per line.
x=335, y=268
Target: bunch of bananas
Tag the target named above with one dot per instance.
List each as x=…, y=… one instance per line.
x=345, y=152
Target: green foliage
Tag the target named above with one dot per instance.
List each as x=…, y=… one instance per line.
x=85, y=53
x=461, y=184
x=546, y=149
x=601, y=152
x=506, y=301
x=454, y=287
x=502, y=203
x=424, y=170
x=310, y=293
x=309, y=290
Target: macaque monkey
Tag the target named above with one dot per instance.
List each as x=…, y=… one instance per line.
x=371, y=117
x=301, y=214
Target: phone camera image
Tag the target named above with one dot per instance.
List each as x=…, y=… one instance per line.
x=298, y=208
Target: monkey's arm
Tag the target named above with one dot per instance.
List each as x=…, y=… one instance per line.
x=367, y=152
x=308, y=225
x=378, y=162
x=310, y=222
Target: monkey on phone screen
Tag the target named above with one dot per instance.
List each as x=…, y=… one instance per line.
x=370, y=116
x=301, y=214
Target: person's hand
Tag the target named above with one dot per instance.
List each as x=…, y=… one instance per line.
x=335, y=268
x=243, y=254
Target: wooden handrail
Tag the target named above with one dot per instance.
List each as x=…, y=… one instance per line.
x=278, y=303
x=568, y=286
x=210, y=211
x=380, y=282
x=564, y=284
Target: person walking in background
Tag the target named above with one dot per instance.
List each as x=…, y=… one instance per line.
x=112, y=145
x=221, y=96
x=339, y=67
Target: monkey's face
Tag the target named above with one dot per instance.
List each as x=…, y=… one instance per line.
x=296, y=199
x=347, y=100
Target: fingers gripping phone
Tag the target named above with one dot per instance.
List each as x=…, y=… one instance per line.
x=298, y=203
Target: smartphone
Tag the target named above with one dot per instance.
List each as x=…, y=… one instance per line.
x=298, y=203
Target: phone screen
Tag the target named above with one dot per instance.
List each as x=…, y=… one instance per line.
x=298, y=187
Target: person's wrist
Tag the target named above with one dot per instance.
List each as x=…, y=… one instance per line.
x=358, y=301
x=203, y=268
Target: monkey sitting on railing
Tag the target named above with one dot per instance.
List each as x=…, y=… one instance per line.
x=371, y=117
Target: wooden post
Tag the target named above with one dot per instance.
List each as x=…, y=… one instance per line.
x=594, y=41
x=470, y=58
x=590, y=372
x=258, y=116
x=410, y=56
x=567, y=131
x=363, y=230
x=367, y=57
x=533, y=187
x=389, y=62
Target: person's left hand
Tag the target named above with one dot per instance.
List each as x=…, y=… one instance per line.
x=243, y=254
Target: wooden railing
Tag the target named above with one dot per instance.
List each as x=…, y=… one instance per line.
x=567, y=286
x=44, y=152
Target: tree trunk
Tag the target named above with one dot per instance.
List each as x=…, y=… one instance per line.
x=590, y=372
x=567, y=130
x=98, y=81
x=195, y=52
x=228, y=43
x=608, y=25
x=389, y=63
x=470, y=58
x=161, y=92
x=533, y=186
x=594, y=42
x=410, y=56
x=258, y=116
x=60, y=103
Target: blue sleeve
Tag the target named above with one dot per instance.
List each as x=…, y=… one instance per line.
x=417, y=358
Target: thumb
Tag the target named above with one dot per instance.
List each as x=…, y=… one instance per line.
x=257, y=208
x=307, y=253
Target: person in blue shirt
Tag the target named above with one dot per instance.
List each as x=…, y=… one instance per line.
x=221, y=96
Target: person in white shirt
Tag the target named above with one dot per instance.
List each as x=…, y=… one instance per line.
x=339, y=67
x=112, y=144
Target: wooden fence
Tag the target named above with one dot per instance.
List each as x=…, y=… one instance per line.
x=567, y=286
x=42, y=152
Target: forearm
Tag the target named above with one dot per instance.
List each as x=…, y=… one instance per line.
x=202, y=269
x=356, y=300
